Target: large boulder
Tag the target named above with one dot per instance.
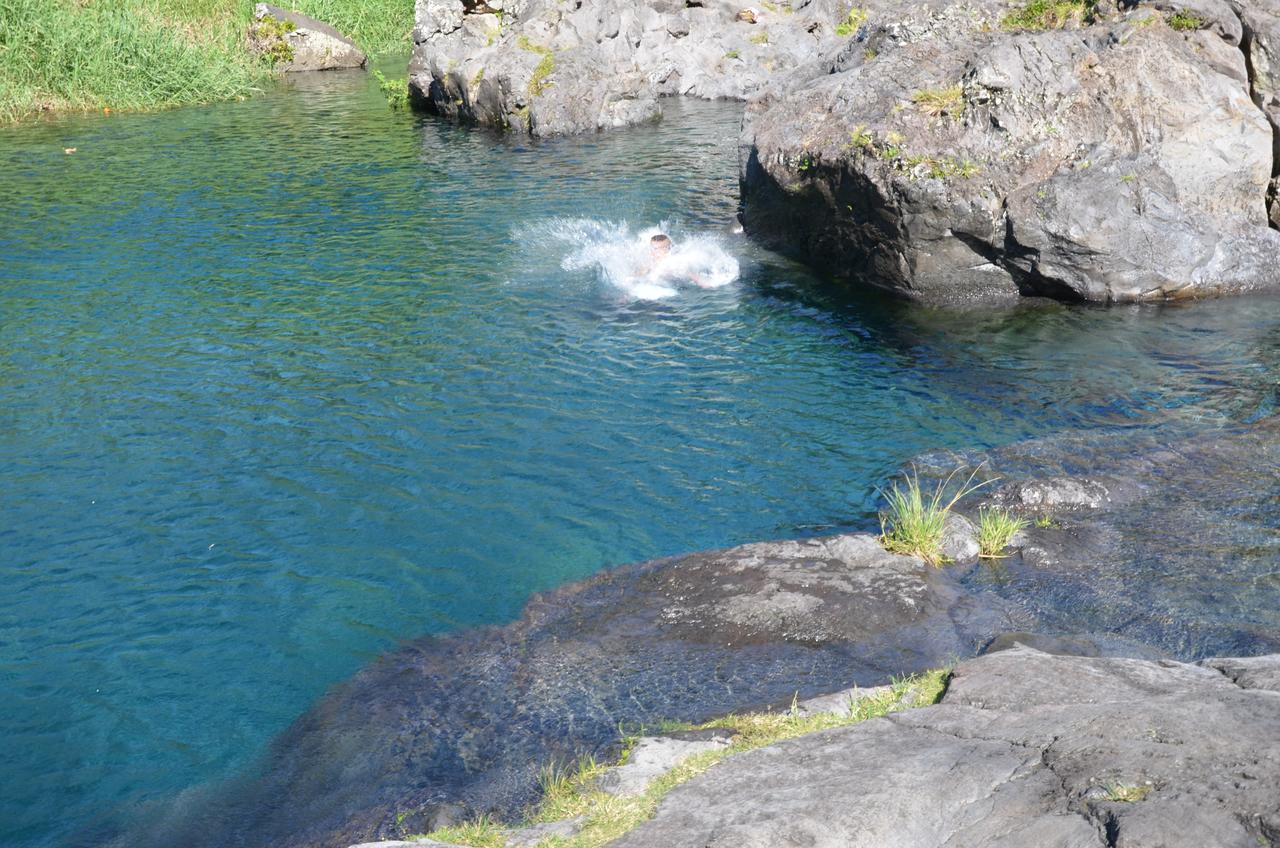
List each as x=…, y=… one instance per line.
x=295, y=42
x=1260, y=34
x=1128, y=159
x=550, y=67
x=456, y=726
x=1025, y=749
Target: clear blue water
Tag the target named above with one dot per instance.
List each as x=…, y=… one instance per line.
x=288, y=381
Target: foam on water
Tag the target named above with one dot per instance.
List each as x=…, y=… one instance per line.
x=620, y=257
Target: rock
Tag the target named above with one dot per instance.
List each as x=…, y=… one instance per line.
x=1055, y=493
x=840, y=703
x=530, y=837
x=1178, y=557
x=1025, y=749
x=416, y=843
x=1250, y=672
x=1065, y=646
x=1260, y=40
x=959, y=539
x=654, y=756
x=296, y=42
x=552, y=68
x=952, y=159
x=470, y=718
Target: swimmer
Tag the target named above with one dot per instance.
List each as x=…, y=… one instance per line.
x=659, y=255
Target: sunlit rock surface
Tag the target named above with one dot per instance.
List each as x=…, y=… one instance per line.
x=1025, y=749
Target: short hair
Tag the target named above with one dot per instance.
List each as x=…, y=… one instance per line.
x=660, y=238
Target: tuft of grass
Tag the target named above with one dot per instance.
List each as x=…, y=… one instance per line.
x=1045, y=521
x=913, y=521
x=732, y=54
x=937, y=102
x=860, y=138
x=761, y=37
x=1050, y=14
x=852, y=22
x=606, y=817
x=996, y=529
x=1184, y=21
x=1127, y=793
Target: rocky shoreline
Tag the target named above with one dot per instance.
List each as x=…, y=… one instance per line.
x=942, y=150
x=459, y=726
x=1023, y=748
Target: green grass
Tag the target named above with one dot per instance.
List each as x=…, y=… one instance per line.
x=761, y=37
x=129, y=55
x=1185, y=21
x=378, y=26
x=913, y=521
x=996, y=529
x=607, y=817
x=1050, y=14
x=852, y=22
x=395, y=90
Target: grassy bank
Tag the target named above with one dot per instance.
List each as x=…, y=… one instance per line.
x=150, y=54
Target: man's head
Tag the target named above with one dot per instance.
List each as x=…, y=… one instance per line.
x=659, y=245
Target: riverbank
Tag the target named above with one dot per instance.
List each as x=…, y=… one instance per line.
x=136, y=55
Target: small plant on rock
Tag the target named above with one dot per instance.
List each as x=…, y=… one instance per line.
x=996, y=529
x=1184, y=21
x=937, y=102
x=913, y=521
x=1127, y=793
x=852, y=22
x=1050, y=14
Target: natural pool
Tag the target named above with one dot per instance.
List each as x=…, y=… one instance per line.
x=286, y=382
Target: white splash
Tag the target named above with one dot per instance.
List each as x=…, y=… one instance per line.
x=622, y=259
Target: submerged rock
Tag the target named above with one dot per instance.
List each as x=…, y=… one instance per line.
x=551, y=68
x=1025, y=748
x=466, y=721
x=296, y=42
x=966, y=158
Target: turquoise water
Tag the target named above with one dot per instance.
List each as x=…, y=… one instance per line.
x=286, y=382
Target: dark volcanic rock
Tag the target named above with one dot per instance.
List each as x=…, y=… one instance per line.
x=1025, y=749
x=965, y=159
x=468, y=719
